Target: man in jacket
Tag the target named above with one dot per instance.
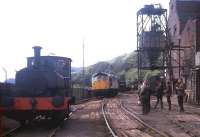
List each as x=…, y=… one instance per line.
x=180, y=88
x=145, y=98
x=159, y=92
x=168, y=94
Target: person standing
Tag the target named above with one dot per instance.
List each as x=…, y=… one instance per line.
x=145, y=98
x=168, y=94
x=159, y=93
x=180, y=88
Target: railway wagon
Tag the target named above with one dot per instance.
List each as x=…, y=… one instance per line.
x=104, y=84
x=41, y=89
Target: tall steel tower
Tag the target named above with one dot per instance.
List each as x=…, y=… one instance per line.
x=152, y=39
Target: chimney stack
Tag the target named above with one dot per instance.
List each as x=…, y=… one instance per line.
x=37, y=50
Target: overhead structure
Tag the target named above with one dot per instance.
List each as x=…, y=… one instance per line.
x=153, y=50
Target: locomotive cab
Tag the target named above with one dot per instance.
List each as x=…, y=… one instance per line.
x=104, y=84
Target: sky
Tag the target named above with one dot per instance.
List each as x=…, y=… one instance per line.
x=107, y=27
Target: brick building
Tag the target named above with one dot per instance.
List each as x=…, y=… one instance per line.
x=184, y=28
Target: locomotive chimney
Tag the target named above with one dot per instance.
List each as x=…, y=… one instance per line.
x=37, y=50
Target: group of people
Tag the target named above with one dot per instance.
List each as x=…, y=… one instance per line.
x=161, y=88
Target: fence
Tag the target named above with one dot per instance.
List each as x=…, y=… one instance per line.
x=80, y=94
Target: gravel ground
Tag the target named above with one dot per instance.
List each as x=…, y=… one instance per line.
x=32, y=131
x=173, y=123
x=123, y=124
x=35, y=129
x=86, y=121
x=9, y=124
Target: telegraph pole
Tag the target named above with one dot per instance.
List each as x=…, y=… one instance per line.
x=83, y=65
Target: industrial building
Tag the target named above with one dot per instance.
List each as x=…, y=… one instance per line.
x=184, y=32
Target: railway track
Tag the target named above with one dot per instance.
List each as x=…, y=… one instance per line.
x=112, y=132
x=16, y=131
x=172, y=123
x=148, y=128
x=13, y=132
x=86, y=100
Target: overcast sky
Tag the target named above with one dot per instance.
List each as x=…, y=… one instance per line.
x=108, y=28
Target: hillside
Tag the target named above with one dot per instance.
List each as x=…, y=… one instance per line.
x=124, y=66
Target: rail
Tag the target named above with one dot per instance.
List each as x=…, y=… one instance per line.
x=106, y=120
x=162, y=134
x=52, y=133
x=11, y=131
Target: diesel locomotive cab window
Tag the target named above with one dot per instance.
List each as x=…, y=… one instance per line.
x=104, y=78
x=95, y=79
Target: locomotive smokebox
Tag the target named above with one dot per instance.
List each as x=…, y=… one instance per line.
x=37, y=50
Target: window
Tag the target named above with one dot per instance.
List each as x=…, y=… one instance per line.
x=174, y=30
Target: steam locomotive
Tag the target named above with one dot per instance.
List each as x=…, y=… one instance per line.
x=41, y=89
x=104, y=84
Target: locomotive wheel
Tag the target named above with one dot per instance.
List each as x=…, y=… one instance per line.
x=22, y=122
x=58, y=116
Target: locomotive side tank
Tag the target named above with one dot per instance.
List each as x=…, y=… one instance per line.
x=41, y=89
